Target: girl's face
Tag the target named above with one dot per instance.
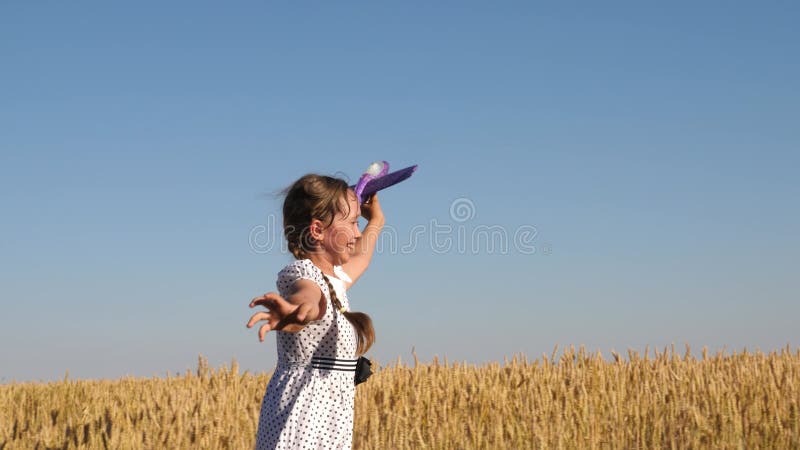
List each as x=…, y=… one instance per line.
x=339, y=238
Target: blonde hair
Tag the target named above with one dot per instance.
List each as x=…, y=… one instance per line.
x=321, y=197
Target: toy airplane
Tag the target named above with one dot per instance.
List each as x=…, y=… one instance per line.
x=377, y=178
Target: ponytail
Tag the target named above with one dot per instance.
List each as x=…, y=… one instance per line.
x=365, y=333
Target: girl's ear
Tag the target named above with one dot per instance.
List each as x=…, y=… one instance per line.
x=315, y=229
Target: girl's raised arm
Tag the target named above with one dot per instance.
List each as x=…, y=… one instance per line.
x=365, y=245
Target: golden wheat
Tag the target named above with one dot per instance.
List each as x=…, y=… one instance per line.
x=575, y=400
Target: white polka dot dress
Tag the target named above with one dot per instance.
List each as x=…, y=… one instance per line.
x=310, y=398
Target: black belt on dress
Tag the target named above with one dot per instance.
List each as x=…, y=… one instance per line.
x=321, y=362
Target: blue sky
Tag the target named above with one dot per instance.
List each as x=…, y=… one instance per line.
x=652, y=148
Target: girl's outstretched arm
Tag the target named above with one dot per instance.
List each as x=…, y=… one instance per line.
x=306, y=304
x=365, y=245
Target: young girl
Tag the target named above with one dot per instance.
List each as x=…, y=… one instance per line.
x=309, y=400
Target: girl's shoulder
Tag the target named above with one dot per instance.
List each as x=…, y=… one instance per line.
x=299, y=269
x=298, y=265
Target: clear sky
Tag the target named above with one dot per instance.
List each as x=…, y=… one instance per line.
x=641, y=161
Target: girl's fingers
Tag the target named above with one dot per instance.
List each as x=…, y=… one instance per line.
x=261, y=302
x=372, y=201
x=257, y=317
x=263, y=330
x=255, y=299
x=280, y=313
x=302, y=312
x=264, y=300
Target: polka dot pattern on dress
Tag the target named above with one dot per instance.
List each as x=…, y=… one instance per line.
x=305, y=407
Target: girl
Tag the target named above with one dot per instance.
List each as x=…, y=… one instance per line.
x=309, y=400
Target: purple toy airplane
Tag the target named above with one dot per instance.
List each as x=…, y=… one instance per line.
x=377, y=177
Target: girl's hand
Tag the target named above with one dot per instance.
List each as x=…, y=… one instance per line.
x=281, y=315
x=371, y=208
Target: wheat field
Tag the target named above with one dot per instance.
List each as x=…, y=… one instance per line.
x=566, y=400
